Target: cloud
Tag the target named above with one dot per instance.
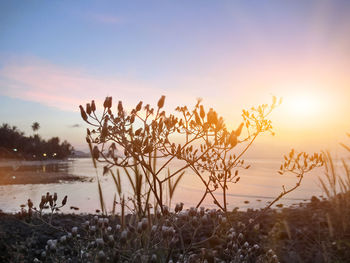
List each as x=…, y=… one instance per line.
x=75, y=126
x=62, y=87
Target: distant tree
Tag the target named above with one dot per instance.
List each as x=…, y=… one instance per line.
x=14, y=140
x=35, y=126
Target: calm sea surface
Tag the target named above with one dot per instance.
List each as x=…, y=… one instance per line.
x=257, y=186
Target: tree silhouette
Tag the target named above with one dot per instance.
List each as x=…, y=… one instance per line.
x=35, y=126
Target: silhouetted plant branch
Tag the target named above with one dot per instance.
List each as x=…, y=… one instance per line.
x=145, y=135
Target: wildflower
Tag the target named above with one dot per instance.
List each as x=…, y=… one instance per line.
x=139, y=227
x=192, y=212
x=144, y=223
x=86, y=225
x=179, y=207
x=270, y=253
x=205, y=219
x=154, y=228
x=195, y=221
x=111, y=240
x=63, y=239
x=92, y=229
x=101, y=256
x=165, y=210
x=52, y=248
x=123, y=236
x=183, y=215
x=99, y=242
x=100, y=222
x=153, y=258
x=74, y=231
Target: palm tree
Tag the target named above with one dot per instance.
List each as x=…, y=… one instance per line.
x=35, y=126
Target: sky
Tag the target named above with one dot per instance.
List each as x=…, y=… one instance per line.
x=56, y=55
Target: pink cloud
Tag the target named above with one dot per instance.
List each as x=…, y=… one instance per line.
x=64, y=88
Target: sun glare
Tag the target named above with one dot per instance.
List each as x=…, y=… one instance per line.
x=303, y=105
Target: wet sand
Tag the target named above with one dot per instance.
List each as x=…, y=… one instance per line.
x=28, y=177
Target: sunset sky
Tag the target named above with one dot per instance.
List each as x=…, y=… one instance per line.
x=55, y=55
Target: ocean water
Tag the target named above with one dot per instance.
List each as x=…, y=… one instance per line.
x=258, y=185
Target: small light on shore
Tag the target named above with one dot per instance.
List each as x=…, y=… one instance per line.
x=54, y=154
x=44, y=154
x=15, y=150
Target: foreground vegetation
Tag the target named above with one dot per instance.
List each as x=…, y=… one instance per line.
x=312, y=232
x=145, y=143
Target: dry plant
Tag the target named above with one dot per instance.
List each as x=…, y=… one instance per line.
x=147, y=135
x=336, y=185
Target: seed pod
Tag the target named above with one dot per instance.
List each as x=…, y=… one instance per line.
x=161, y=102
x=132, y=118
x=120, y=106
x=83, y=113
x=106, y=103
x=88, y=108
x=239, y=130
x=93, y=106
x=233, y=139
x=138, y=131
x=30, y=203
x=139, y=105
x=211, y=116
x=202, y=112
x=64, y=201
x=51, y=200
x=198, y=120
x=55, y=197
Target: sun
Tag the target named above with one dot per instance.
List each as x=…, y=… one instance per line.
x=303, y=104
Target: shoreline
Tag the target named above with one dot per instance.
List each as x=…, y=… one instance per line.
x=16, y=163
x=25, y=177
